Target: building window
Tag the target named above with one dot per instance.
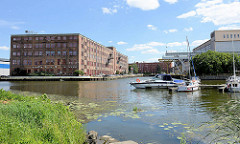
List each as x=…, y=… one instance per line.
x=25, y=38
x=231, y=36
x=234, y=35
x=70, y=53
x=29, y=62
x=58, y=38
x=14, y=46
x=48, y=45
x=52, y=53
x=75, y=37
x=36, y=38
x=59, y=53
x=25, y=53
x=36, y=53
x=48, y=53
x=238, y=35
x=223, y=35
x=75, y=45
x=40, y=53
x=227, y=36
x=64, y=45
x=58, y=45
x=30, y=38
x=18, y=46
x=64, y=53
x=74, y=53
x=52, y=45
x=41, y=38
x=14, y=53
x=64, y=38
x=29, y=53
x=18, y=53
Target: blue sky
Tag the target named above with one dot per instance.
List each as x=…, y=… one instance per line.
x=140, y=29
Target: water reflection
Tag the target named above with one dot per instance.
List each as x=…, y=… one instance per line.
x=109, y=106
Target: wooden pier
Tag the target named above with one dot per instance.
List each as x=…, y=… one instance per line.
x=221, y=88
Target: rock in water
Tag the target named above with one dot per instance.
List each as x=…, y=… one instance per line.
x=92, y=137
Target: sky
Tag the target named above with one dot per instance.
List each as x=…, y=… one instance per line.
x=141, y=29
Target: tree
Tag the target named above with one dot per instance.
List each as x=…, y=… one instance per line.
x=133, y=67
x=78, y=72
x=214, y=63
x=159, y=70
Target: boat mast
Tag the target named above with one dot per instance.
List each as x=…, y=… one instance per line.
x=234, y=72
x=189, y=71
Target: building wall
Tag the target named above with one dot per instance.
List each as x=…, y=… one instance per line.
x=61, y=54
x=4, y=68
x=221, y=41
x=152, y=67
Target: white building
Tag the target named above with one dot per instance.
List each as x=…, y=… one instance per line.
x=221, y=41
x=4, y=67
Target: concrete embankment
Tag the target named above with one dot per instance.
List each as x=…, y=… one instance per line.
x=67, y=78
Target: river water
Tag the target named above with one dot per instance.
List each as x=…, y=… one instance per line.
x=117, y=109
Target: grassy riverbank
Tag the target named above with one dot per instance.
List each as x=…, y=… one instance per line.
x=25, y=119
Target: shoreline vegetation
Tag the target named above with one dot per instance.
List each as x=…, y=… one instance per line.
x=28, y=119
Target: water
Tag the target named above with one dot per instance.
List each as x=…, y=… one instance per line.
x=108, y=108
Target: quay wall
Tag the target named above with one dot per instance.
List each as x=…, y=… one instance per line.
x=67, y=78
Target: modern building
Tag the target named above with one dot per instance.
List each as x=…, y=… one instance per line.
x=221, y=41
x=152, y=68
x=62, y=54
x=4, y=67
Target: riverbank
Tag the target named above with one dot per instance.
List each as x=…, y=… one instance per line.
x=25, y=119
x=67, y=78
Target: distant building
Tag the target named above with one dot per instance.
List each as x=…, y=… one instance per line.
x=221, y=41
x=144, y=67
x=62, y=54
x=4, y=67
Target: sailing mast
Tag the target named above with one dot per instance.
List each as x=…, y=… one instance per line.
x=189, y=71
x=234, y=72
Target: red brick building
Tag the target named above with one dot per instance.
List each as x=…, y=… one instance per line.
x=62, y=54
x=152, y=67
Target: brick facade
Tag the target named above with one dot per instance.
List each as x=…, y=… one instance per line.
x=62, y=54
x=152, y=67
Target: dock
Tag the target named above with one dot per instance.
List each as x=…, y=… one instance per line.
x=221, y=88
x=67, y=78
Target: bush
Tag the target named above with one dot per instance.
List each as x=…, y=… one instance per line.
x=26, y=119
x=78, y=72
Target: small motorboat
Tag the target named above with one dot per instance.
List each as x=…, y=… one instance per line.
x=189, y=86
x=158, y=81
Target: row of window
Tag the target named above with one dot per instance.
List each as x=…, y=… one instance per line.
x=48, y=45
x=231, y=35
x=48, y=62
x=48, y=53
x=48, y=38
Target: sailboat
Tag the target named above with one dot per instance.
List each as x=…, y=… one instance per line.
x=233, y=82
x=193, y=83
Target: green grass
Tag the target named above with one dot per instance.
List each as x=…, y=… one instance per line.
x=25, y=119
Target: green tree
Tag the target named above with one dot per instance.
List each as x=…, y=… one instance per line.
x=215, y=63
x=78, y=72
x=159, y=70
x=134, y=67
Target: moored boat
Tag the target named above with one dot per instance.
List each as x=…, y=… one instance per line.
x=158, y=81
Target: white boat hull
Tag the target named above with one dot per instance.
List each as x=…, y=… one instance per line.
x=187, y=88
x=153, y=85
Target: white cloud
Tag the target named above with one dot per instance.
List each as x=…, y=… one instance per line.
x=121, y=43
x=4, y=48
x=12, y=25
x=188, y=14
x=170, y=31
x=198, y=42
x=110, y=41
x=176, y=44
x=109, y=10
x=229, y=27
x=152, y=27
x=152, y=59
x=151, y=51
x=188, y=29
x=171, y=1
x=139, y=47
x=216, y=11
x=144, y=4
